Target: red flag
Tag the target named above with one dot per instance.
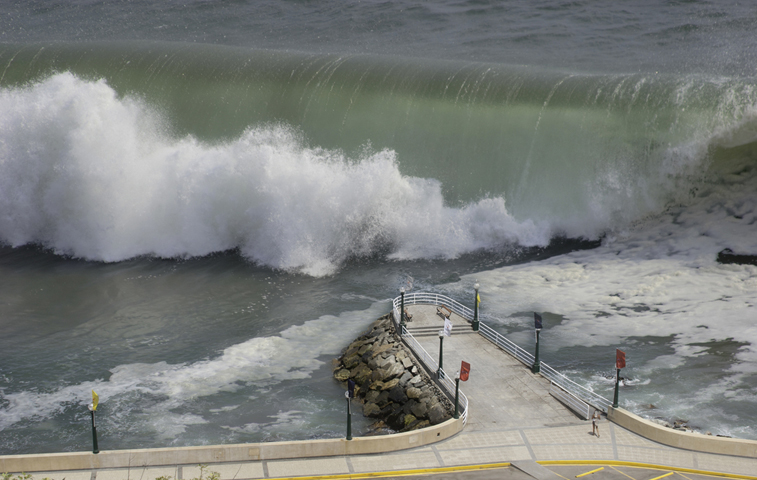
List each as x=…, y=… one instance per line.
x=620, y=359
x=464, y=371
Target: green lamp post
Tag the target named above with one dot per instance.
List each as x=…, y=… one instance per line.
x=476, y=301
x=536, y=368
x=402, y=311
x=92, y=407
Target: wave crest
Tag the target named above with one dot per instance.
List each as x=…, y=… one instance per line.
x=96, y=176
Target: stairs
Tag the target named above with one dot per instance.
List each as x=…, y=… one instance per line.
x=433, y=331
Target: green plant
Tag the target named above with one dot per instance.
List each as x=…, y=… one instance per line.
x=204, y=475
x=20, y=476
x=211, y=475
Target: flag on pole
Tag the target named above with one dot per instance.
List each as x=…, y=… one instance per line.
x=447, y=327
x=620, y=359
x=464, y=371
x=478, y=299
x=95, y=400
x=351, y=388
x=537, y=321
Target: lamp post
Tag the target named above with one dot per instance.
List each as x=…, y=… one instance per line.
x=92, y=408
x=440, y=373
x=402, y=310
x=536, y=368
x=457, y=396
x=475, y=309
x=349, y=394
x=620, y=362
x=463, y=375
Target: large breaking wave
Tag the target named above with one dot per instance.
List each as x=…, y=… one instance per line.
x=304, y=161
x=92, y=175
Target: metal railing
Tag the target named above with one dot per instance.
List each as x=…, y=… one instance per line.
x=444, y=379
x=581, y=408
x=583, y=393
x=499, y=340
x=434, y=299
x=593, y=399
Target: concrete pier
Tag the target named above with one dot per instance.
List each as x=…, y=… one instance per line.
x=502, y=393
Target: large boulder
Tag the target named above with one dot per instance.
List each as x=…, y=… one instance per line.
x=382, y=399
x=419, y=409
x=406, y=376
x=371, y=410
x=342, y=375
x=436, y=414
x=397, y=394
x=396, y=420
x=413, y=392
x=351, y=361
x=409, y=419
x=361, y=374
x=379, y=350
x=390, y=360
x=393, y=370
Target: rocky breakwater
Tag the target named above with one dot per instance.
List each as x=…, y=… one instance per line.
x=389, y=382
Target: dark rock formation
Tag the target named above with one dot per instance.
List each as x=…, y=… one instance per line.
x=390, y=384
x=728, y=256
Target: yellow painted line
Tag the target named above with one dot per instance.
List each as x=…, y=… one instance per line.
x=625, y=474
x=652, y=466
x=403, y=473
x=589, y=473
x=566, y=478
x=662, y=476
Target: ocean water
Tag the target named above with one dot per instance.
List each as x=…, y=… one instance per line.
x=201, y=204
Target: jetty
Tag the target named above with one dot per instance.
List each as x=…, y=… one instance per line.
x=533, y=425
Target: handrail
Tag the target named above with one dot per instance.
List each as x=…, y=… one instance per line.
x=423, y=298
x=595, y=400
x=499, y=340
x=428, y=360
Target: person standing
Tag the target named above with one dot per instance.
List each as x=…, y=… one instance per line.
x=594, y=419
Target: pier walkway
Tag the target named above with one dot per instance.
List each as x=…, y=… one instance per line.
x=502, y=393
x=515, y=430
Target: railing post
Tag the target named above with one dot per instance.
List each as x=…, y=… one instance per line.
x=537, y=325
x=349, y=394
x=457, y=397
x=620, y=362
x=349, y=418
x=536, y=368
x=402, y=311
x=95, y=449
x=440, y=373
x=475, y=324
x=92, y=408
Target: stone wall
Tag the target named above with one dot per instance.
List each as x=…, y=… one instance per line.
x=682, y=439
x=392, y=386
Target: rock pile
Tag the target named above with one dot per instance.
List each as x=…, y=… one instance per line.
x=390, y=384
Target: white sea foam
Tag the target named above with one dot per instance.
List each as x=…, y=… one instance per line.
x=96, y=176
x=658, y=278
x=293, y=354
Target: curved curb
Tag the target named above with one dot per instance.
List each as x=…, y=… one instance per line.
x=403, y=473
x=230, y=453
x=620, y=463
x=678, y=439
